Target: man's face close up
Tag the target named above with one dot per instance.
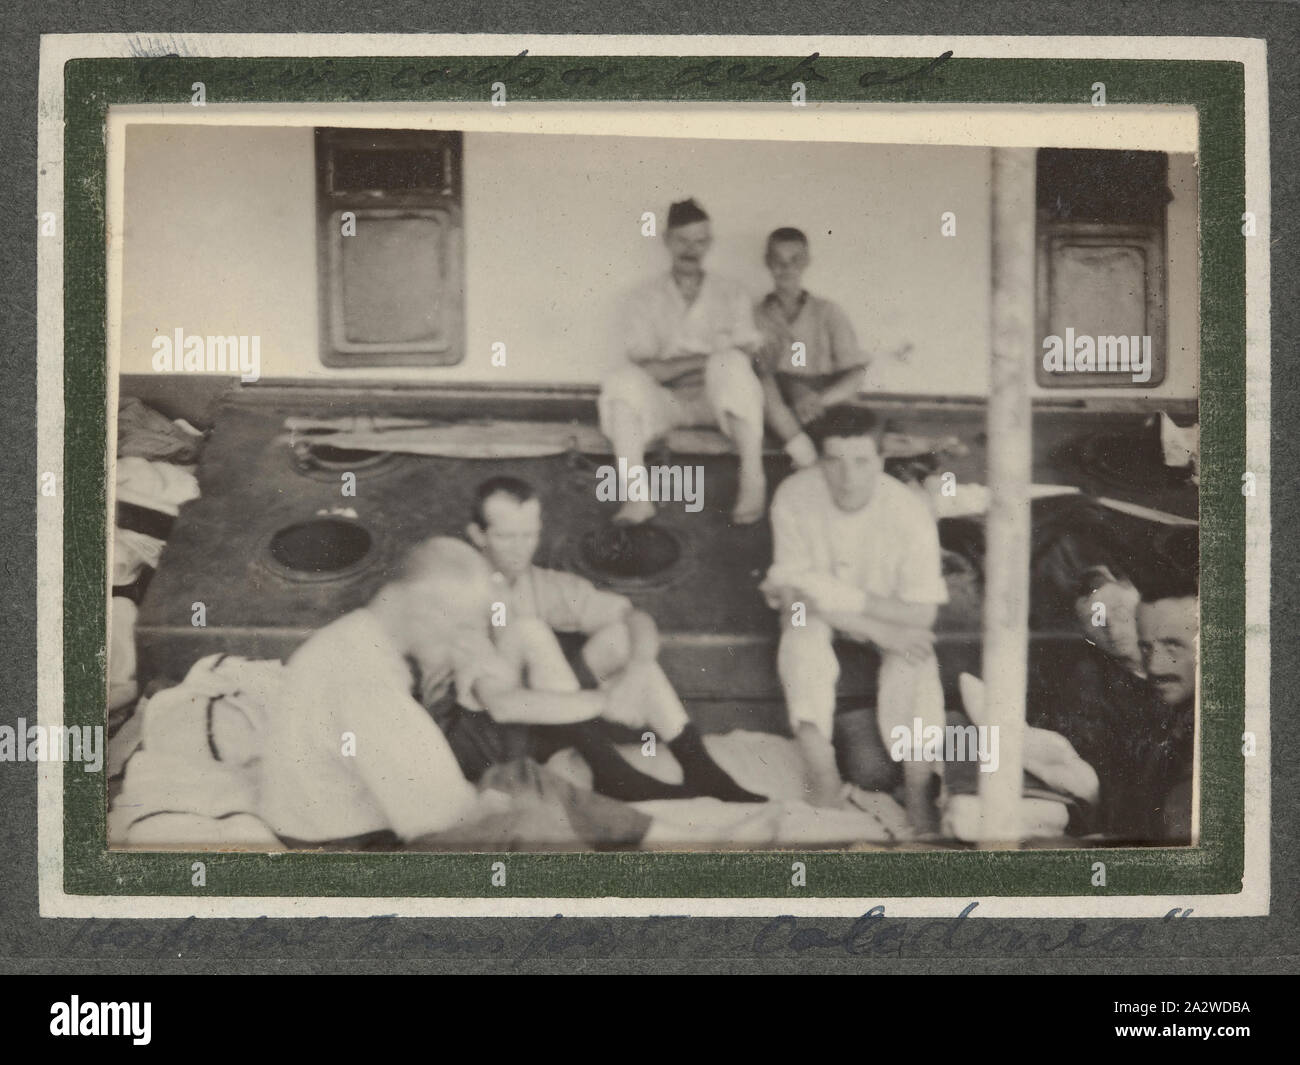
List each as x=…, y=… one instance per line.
x=688, y=245
x=513, y=532
x=787, y=261
x=852, y=466
x=1167, y=632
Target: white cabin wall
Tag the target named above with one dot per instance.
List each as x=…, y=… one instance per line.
x=220, y=238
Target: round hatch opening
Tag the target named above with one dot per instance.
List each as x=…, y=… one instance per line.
x=629, y=553
x=319, y=548
x=325, y=462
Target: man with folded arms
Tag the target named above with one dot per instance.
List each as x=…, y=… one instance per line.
x=619, y=654
x=811, y=359
x=690, y=342
x=856, y=556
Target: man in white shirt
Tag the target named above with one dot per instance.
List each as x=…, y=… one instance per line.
x=690, y=341
x=856, y=555
x=351, y=759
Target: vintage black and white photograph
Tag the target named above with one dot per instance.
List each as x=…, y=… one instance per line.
x=651, y=484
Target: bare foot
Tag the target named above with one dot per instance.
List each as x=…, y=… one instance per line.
x=634, y=512
x=751, y=500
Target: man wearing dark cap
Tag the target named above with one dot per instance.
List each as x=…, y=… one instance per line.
x=689, y=339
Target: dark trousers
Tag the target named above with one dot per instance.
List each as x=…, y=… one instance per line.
x=479, y=743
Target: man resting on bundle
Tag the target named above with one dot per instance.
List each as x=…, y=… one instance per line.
x=352, y=761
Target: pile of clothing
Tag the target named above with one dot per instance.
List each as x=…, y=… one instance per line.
x=191, y=766
x=156, y=460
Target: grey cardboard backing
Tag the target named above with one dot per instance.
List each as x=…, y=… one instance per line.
x=29, y=944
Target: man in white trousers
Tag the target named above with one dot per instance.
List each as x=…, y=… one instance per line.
x=856, y=556
x=690, y=341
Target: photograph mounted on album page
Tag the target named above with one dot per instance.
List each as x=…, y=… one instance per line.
x=626, y=475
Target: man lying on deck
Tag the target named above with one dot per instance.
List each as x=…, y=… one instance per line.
x=620, y=654
x=352, y=761
x=1168, y=633
x=1092, y=695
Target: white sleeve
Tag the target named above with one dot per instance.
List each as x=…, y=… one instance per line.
x=745, y=331
x=833, y=594
x=641, y=336
x=408, y=766
x=792, y=555
x=794, y=562
x=922, y=577
x=473, y=658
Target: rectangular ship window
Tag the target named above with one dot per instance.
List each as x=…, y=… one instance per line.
x=1101, y=257
x=391, y=249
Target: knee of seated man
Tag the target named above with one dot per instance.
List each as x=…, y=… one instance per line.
x=800, y=626
x=731, y=360
x=733, y=371
x=806, y=657
x=628, y=384
x=608, y=653
x=531, y=635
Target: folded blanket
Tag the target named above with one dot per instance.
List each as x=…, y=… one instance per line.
x=149, y=494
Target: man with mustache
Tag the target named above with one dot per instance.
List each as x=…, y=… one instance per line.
x=690, y=343
x=1168, y=622
x=1126, y=703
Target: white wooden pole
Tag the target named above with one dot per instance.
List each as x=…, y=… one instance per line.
x=1010, y=436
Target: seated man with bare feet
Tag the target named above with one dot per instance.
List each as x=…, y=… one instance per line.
x=620, y=654
x=856, y=556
